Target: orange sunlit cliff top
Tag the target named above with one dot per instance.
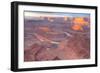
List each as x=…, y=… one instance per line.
x=79, y=22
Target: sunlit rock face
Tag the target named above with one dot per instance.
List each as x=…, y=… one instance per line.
x=49, y=38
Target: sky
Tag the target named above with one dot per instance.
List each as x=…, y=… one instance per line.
x=54, y=14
